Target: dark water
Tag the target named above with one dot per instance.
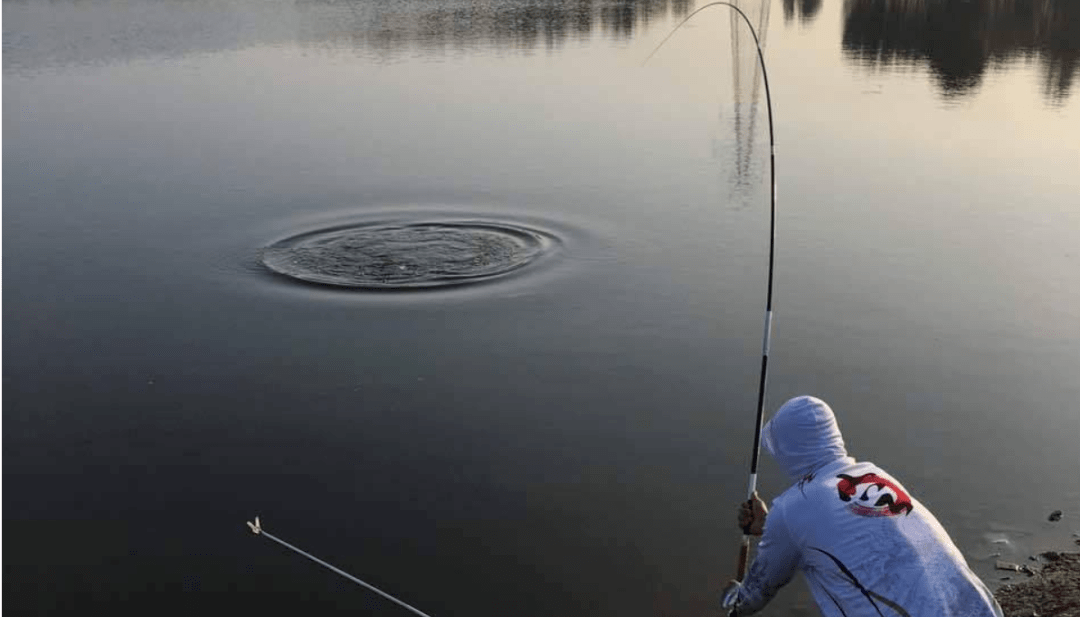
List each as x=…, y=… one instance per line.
x=569, y=437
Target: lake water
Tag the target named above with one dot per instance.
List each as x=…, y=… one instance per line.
x=569, y=434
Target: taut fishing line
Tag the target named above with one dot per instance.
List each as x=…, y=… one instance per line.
x=745, y=548
x=256, y=528
x=744, y=551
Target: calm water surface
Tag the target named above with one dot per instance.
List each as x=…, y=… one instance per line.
x=570, y=437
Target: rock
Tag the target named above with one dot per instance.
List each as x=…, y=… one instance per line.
x=1055, y=516
x=1006, y=565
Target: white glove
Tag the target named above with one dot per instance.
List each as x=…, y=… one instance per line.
x=730, y=599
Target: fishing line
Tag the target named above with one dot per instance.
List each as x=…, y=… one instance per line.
x=256, y=528
x=752, y=486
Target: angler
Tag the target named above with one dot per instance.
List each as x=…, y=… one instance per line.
x=865, y=545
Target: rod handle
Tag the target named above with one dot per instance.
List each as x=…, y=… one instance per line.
x=744, y=553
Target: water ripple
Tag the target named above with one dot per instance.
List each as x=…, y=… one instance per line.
x=407, y=255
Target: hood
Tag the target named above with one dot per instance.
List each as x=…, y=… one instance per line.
x=803, y=436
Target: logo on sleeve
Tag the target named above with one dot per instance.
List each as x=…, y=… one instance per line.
x=887, y=497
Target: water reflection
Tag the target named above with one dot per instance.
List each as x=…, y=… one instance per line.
x=961, y=39
x=803, y=10
x=60, y=33
x=746, y=82
x=38, y=35
x=394, y=25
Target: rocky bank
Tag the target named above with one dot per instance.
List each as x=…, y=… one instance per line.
x=1053, y=589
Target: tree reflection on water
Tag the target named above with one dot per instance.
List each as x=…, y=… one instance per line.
x=805, y=10
x=389, y=26
x=960, y=39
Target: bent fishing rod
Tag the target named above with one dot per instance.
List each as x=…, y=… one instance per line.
x=744, y=550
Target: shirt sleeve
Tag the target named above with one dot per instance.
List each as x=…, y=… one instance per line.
x=775, y=563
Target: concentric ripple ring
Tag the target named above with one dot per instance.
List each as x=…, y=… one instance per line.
x=407, y=255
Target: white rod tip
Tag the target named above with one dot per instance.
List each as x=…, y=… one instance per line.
x=256, y=527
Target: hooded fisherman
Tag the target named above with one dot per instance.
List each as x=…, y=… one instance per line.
x=865, y=545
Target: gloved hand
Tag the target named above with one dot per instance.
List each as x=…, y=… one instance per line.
x=729, y=601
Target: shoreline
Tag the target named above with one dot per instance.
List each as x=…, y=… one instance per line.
x=1052, y=588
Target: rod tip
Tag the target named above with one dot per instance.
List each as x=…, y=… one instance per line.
x=256, y=527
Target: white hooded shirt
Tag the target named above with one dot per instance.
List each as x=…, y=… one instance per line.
x=866, y=546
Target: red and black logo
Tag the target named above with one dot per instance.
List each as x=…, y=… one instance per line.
x=888, y=497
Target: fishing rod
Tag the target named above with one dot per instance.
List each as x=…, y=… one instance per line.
x=256, y=528
x=744, y=550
